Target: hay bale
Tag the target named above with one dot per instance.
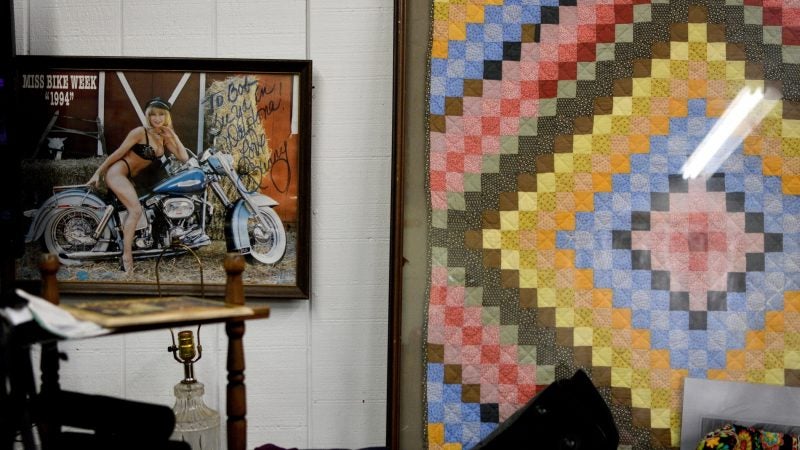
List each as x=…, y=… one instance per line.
x=41, y=175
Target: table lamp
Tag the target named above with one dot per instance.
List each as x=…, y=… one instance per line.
x=195, y=423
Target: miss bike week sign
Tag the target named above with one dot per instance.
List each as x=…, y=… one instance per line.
x=59, y=89
x=63, y=112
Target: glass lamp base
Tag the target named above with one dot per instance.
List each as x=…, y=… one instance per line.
x=195, y=423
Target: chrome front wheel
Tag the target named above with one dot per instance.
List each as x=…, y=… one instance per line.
x=267, y=244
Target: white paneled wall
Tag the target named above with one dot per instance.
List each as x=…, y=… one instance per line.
x=316, y=370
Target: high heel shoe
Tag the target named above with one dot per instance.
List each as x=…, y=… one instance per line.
x=126, y=266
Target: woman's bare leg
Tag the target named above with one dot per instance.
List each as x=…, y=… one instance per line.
x=117, y=180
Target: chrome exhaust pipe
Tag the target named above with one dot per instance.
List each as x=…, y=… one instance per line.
x=87, y=256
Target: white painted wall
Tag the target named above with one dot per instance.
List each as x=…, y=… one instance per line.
x=316, y=370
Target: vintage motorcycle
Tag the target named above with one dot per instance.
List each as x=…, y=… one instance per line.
x=77, y=225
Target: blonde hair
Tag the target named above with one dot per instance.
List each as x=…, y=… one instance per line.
x=149, y=111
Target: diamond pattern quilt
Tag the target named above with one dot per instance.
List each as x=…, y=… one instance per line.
x=562, y=232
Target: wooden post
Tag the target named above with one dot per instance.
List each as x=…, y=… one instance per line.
x=236, y=398
x=48, y=267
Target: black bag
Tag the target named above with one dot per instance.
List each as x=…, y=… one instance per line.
x=568, y=415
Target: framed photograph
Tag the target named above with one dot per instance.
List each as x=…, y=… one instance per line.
x=141, y=174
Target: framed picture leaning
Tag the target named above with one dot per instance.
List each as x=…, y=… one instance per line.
x=216, y=150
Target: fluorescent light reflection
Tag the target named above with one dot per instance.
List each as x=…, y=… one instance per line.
x=743, y=114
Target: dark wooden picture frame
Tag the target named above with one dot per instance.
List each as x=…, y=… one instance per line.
x=72, y=112
x=409, y=266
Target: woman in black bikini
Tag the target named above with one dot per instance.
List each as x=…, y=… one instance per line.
x=140, y=148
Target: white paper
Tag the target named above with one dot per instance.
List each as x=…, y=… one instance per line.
x=52, y=318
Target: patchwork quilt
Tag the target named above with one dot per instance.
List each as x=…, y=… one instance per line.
x=562, y=232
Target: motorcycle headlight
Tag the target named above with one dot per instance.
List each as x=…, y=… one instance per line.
x=178, y=208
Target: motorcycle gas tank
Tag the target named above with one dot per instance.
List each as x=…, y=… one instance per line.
x=186, y=182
